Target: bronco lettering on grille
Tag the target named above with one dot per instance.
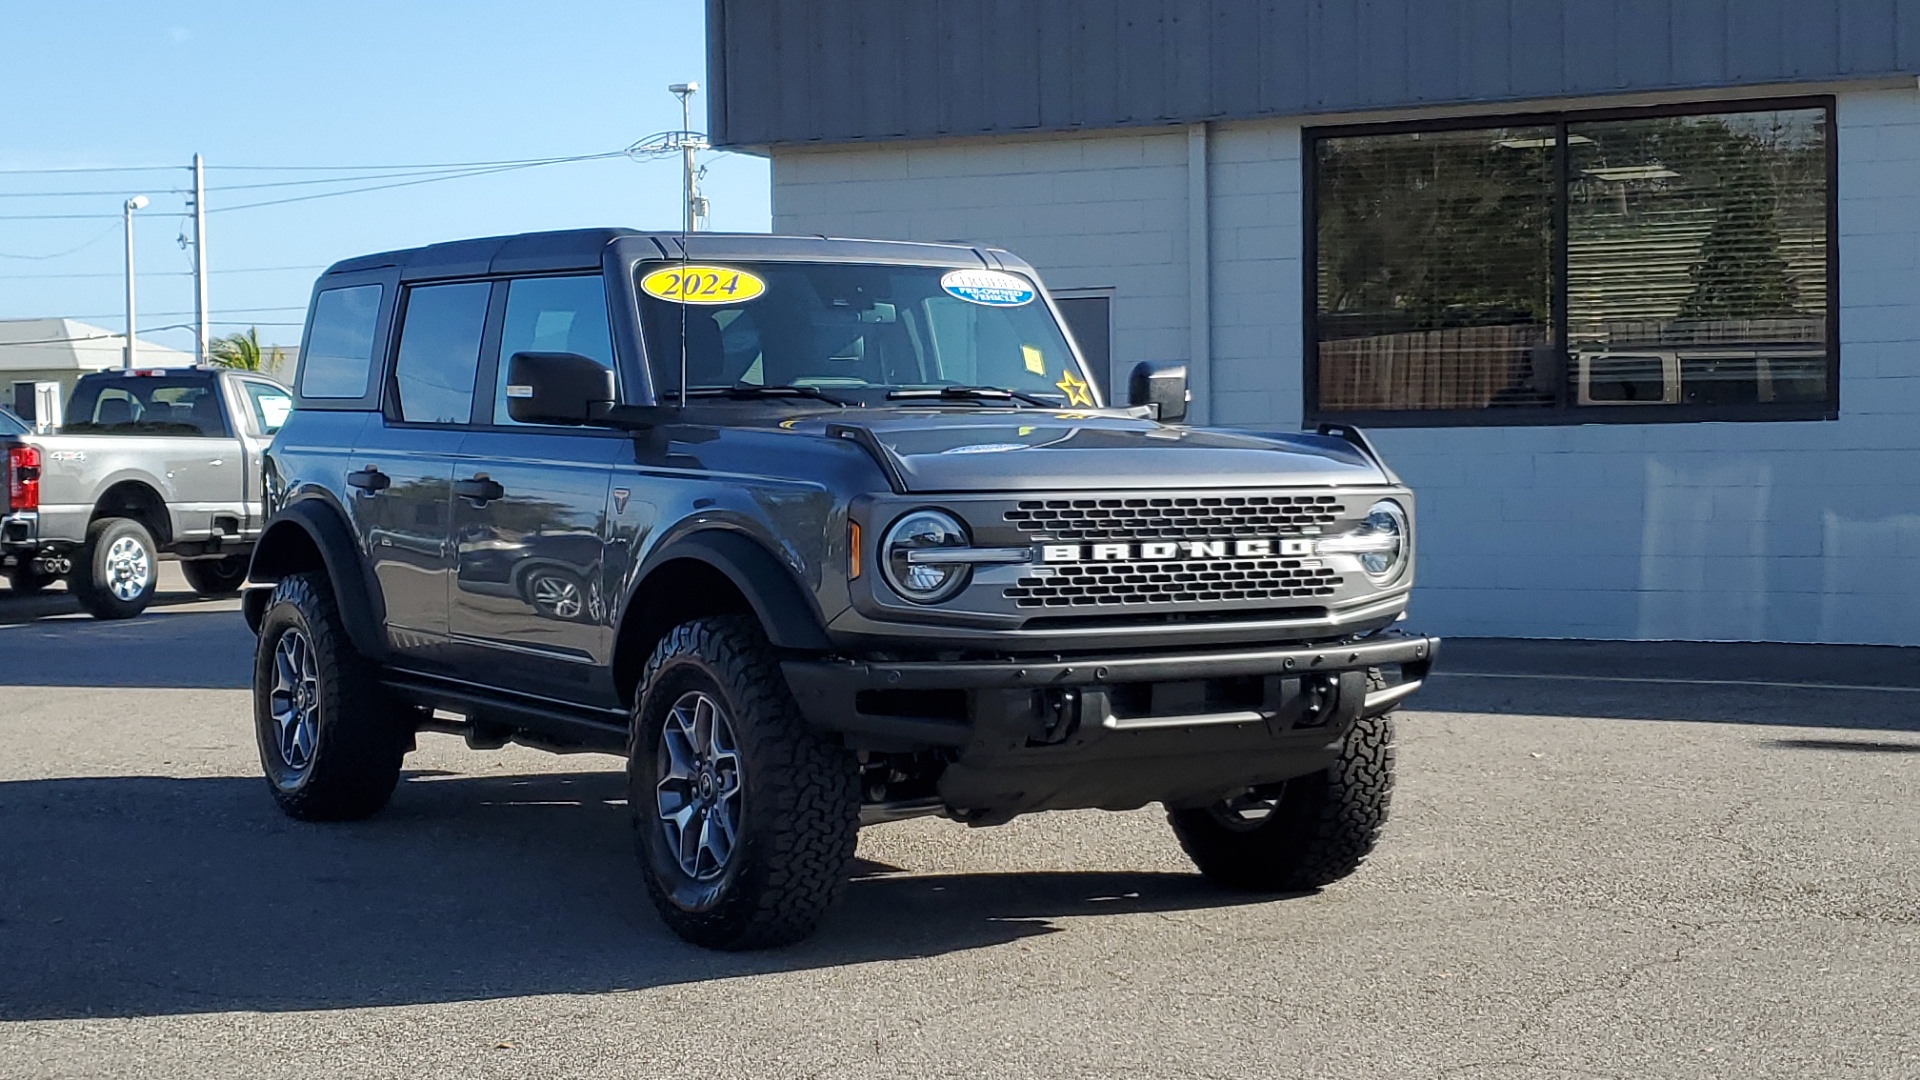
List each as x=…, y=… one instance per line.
x=1171, y=550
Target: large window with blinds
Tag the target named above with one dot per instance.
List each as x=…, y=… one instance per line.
x=1629, y=266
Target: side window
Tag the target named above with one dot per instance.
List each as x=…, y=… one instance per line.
x=269, y=405
x=340, y=344
x=440, y=352
x=556, y=314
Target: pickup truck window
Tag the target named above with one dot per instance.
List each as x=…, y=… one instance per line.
x=552, y=314
x=855, y=326
x=440, y=352
x=269, y=405
x=183, y=404
x=339, y=350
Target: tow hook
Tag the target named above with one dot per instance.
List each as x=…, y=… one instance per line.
x=1058, y=709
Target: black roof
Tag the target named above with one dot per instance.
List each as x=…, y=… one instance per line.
x=582, y=249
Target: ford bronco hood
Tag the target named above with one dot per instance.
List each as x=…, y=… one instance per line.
x=1036, y=450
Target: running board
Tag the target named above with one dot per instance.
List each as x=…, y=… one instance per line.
x=493, y=718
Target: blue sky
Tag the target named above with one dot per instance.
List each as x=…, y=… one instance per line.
x=345, y=83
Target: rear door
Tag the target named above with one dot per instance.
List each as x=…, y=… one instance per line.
x=530, y=595
x=403, y=465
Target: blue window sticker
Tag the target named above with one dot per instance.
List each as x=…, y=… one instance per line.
x=991, y=288
x=986, y=448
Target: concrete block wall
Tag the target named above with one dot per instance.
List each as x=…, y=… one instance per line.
x=1782, y=532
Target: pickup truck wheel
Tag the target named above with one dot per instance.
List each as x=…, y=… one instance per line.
x=1302, y=834
x=26, y=581
x=331, y=738
x=115, y=570
x=216, y=577
x=745, y=818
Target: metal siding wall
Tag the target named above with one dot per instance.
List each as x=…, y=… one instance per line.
x=1384, y=33
x=794, y=71
x=1702, y=25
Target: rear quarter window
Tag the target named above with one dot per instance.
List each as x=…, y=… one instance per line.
x=338, y=356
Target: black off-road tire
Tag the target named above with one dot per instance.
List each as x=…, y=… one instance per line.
x=800, y=815
x=93, y=579
x=361, y=732
x=1321, y=829
x=26, y=581
x=216, y=577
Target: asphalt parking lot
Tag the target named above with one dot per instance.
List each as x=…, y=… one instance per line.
x=1605, y=861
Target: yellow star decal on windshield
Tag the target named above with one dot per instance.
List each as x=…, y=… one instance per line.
x=1077, y=391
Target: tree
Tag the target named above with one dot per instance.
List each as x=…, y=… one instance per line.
x=242, y=352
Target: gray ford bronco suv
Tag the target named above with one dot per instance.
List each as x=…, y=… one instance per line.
x=816, y=533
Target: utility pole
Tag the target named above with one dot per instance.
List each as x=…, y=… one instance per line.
x=201, y=340
x=692, y=208
x=138, y=202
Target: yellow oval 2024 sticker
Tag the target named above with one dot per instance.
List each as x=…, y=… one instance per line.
x=696, y=284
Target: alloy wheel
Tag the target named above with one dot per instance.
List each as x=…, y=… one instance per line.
x=557, y=595
x=294, y=701
x=699, y=795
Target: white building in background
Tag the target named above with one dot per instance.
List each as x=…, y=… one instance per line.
x=34, y=351
x=1629, y=295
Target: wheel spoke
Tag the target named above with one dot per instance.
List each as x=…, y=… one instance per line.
x=700, y=789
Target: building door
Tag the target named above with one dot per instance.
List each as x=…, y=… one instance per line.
x=1089, y=316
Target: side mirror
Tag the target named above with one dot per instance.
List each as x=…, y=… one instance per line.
x=1162, y=386
x=557, y=388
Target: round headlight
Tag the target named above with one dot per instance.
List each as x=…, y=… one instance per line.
x=924, y=531
x=1386, y=520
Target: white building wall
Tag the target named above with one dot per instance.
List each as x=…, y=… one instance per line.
x=1775, y=531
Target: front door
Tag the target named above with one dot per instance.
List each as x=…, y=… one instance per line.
x=531, y=601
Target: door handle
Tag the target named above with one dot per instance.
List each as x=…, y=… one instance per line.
x=480, y=490
x=370, y=481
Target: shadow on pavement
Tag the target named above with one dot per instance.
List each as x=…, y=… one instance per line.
x=159, y=648
x=1816, y=686
x=1853, y=746
x=143, y=896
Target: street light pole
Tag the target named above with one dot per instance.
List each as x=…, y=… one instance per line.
x=138, y=202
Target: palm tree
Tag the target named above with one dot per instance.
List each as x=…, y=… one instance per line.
x=242, y=351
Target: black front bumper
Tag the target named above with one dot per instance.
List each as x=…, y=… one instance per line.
x=1116, y=731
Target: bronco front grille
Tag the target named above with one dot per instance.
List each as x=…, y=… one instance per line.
x=1175, y=517
x=1116, y=584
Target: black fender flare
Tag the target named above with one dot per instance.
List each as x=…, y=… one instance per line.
x=783, y=607
x=315, y=521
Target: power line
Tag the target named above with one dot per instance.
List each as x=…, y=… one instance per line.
x=164, y=273
x=118, y=192
x=97, y=337
x=183, y=314
x=415, y=165
x=55, y=217
x=90, y=169
x=109, y=231
x=411, y=183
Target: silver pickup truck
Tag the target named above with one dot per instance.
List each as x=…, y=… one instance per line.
x=150, y=461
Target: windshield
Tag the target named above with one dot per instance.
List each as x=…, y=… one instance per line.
x=11, y=424
x=846, y=328
x=186, y=403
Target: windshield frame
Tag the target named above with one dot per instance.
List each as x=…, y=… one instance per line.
x=659, y=388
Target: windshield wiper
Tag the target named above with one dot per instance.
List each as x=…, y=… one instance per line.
x=970, y=393
x=749, y=391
